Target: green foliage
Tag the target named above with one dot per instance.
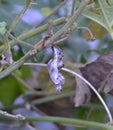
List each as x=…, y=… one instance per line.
x=25, y=71
x=103, y=17
x=10, y=89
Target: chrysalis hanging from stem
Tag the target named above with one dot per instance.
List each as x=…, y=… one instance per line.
x=54, y=67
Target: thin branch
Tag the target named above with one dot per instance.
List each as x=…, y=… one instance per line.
x=52, y=13
x=52, y=98
x=11, y=116
x=20, y=42
x=92, y=37
x=61, y=40
x=18, y=17
x=73, y=7
x=70, y=22
x=87, y=82
x=7, y=50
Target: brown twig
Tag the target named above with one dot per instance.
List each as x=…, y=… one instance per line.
x=52, y=13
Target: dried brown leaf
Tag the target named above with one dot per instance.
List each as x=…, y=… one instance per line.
x=107, y=58
x=98, y=72
x=82, y=92
x=109, y=86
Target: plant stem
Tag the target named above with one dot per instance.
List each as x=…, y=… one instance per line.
x=89, y=31
x=18, y=17
x=7, y=50
x=20, y=42
x=70, y=22
x=6, y=115
x=73, y=7
x=34, y=32
x=41, y=29
x=52, y=98
x=53, y=12
x=70, y=121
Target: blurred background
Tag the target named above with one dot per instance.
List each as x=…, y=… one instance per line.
x=78, y=49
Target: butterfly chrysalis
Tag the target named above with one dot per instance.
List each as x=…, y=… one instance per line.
x=54, y=67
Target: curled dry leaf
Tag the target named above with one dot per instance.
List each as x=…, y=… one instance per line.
x=54, y=66
x=99, y=72
x=82, y=92
x=6, y=59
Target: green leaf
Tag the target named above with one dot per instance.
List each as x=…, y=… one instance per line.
x=104, y=17
x=25, y=71
x=10, y=89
